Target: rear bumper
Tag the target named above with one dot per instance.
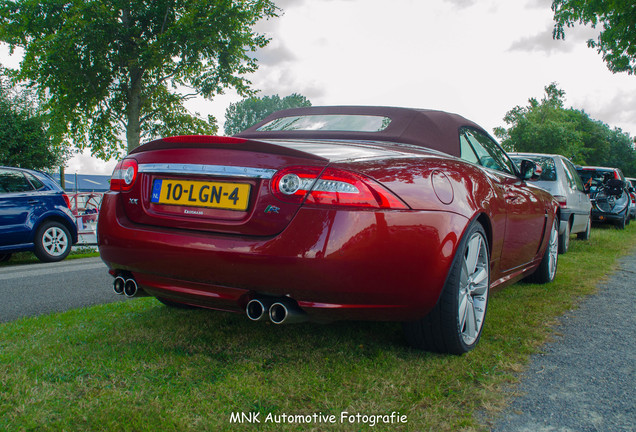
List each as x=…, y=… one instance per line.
x=563, y=223
x=600, y=216
x=337, y=264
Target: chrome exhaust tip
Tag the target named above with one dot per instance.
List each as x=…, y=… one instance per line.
x=118, y=285
x=130, y=288
x=257, y=309
x=286, y=313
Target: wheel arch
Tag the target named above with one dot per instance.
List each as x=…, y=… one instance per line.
x=484, y=220
x=72, y=229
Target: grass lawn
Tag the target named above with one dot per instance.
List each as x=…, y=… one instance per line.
x=20, y=258
x=139, y=365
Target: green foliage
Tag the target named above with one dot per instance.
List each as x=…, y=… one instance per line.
x=241, y=115
x=113, y=68
x=542, y=127
x=617, y=39
x=546, y=126
x=24, y=141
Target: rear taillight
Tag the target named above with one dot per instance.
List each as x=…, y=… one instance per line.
x=333, y=187
x=563, y=202
x=124, y=175
x=67, y=200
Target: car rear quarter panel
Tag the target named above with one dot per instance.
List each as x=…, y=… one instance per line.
x=446, y=185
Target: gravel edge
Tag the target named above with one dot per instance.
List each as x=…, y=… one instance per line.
x=585, y=378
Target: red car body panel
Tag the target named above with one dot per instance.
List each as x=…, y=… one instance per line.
x=336, y=262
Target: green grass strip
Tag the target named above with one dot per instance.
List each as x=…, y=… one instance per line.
x=138, y=365
x=23, y=258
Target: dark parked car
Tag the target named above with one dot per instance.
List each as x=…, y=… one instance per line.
x=559, y=177
x=608, y=193
x=330, y=213
x=34, y=215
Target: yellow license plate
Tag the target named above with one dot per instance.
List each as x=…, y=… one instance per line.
x=222, y=195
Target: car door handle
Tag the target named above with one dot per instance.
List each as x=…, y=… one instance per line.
x=32, y=201
x=511, y=197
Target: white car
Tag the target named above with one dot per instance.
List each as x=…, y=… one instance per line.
x=559, y=177
x=632, y=194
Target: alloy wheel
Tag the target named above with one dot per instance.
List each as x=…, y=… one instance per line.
x=553, y=250
x=54, y=241
x=473, y=289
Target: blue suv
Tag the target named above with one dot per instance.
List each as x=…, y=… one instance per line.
x=34, y=215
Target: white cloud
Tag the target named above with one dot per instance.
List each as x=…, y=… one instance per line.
x=275, y=53
x=285, y=4
x=84, y=163
x=616, y=109
x=462, y=3
x=544, y=42
x=539, y=4
x=8, y=60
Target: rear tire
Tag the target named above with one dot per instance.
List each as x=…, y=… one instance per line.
x=455, y=324
x=546, y=272
x=620, y=224
x=52, y=242
x=585, y=235
x=564, y=240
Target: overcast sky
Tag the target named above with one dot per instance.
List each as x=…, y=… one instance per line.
x=477, y=58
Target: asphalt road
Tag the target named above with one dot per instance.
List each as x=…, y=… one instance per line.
x=36, y=289
x=584, y=380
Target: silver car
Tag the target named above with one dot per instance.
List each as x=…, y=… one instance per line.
x=559, y=177
x=631, y=187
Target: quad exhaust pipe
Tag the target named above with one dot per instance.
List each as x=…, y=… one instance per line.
x=258, y=309
x=127, y=286
x=118, y=285
x=281, y=310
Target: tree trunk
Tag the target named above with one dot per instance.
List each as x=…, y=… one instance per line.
x=133, y=125
x=133, y=91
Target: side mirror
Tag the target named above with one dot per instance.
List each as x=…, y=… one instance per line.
x=529, y=170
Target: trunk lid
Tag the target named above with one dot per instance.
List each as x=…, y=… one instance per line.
x=223, y=184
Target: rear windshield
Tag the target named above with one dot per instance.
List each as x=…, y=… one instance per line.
x=546, y=163
x=598, y=176
x=331, y=122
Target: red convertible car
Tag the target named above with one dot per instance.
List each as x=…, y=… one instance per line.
x=330, y=213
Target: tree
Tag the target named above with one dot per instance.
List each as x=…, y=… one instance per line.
x=546, y=126
x=24, y=141
x=616, y=42
x=241, y=115
x=113, y=68
x=542, y=127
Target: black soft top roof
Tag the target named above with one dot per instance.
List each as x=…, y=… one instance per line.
x=432, y=129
